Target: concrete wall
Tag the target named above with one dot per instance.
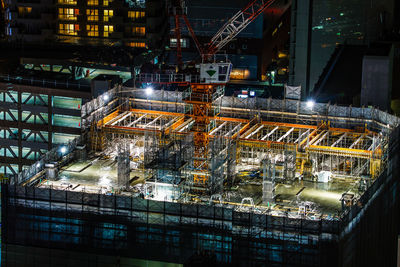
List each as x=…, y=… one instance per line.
x=375, y=82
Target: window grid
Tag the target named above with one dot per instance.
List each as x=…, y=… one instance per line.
x=141, y=31
x=137, y=44
x=68, y=13
x=68, y=29
x=108, y=13
x=92, y=14
x=93, y=2
x=136, y=15
x=67, y=2
x=108, y=29
x=92, y=30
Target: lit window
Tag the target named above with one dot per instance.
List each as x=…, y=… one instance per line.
x=68, y=13
x=67, y=2
x=136, y=44
x=184, y=42
x=136, y=15
x=106, y=2
x=93, y=2
x=23, y=10
x=240, y=74
x=92, y=14
x=108, y=29
x=68, y=29
x=141, y=31
x=92, y=30
x=108, y=14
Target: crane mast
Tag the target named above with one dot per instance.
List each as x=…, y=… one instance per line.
x=205, y=89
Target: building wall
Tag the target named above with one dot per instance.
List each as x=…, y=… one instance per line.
x=246, y=50
x=161, y=231
x=318, y=26
x=136, y=23
x=33, y=119
x=375, y=83
x=370, y=237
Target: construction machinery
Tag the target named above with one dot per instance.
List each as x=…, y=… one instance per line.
x=207, y=86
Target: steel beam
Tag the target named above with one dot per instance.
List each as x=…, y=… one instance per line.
x=305, y=133
x=153, y=121
x=218, y=128
x=136, y=121
x=234, y=130
x=357, y=141
x=339, y=140
x=254, y=132
x=285, y=135
x=315, y=143
x=270, y=133
x=120, y=118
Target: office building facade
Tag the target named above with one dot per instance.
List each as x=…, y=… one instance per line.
x=318, y=26
x=136, y=23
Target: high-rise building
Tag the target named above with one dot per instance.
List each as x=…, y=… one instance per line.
x=36, y=115
x=135, y=23
x=318, y=26
x=252, y=50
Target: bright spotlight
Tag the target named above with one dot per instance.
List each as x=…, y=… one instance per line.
x=105, y=97
x=63, y=149
x=38, y=165
x=310, y=103
x=149, y=90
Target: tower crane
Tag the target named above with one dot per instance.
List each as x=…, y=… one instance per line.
x=206, y=87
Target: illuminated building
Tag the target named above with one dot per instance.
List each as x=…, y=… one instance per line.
x=136, y=23
x=252, y=50
x=36, y=115
x=319, y=26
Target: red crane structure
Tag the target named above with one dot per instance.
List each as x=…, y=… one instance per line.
x=205, y=89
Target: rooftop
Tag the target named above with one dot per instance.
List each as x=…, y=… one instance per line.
x=315, y=167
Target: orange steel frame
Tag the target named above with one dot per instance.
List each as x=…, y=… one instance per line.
x=201, y=100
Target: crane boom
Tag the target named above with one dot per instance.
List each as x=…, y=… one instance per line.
x=236, y=24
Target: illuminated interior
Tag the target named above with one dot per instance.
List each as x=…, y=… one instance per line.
x=108, y=14
x=92, y=30
x=22, y=10
x=93, y=2
x=92, y=14
x=141, y=31
x=108, y=29
x=240, y=74
x=134, y=15
x=67, y=2
x=137, y=44
x=68, y=29
x=68, y=13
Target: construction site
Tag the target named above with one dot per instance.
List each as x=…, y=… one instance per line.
x=241, y=158
x=263, y=180
x=189, y=175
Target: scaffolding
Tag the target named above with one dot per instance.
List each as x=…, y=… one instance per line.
x=283, y=146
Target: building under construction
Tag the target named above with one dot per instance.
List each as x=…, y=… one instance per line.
x=252, y=182
x=198, y=178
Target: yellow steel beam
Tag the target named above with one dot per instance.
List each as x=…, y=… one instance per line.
x=108, y=118
x=308, y=136
x=232, y=119
x=127, y=130
x=175, y=125
x=156, y=112
x=341, y=151
x=289, y=125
